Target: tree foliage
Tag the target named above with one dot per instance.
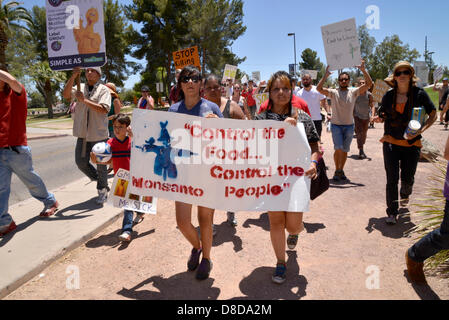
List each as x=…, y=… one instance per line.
x=311, y=61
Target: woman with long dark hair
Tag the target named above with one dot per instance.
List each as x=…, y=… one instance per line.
x=281, y=108
x=191, y=103
x=401, y=151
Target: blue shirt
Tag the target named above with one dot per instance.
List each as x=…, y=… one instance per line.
x=201, y=109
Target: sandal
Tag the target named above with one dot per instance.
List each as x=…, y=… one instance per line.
x=50, y=211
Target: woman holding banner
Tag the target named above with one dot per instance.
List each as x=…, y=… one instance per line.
x=192, y=104
x=280, y=108
x=401, y=146
x=228, y=108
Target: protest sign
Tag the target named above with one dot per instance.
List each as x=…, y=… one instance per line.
x=260, y=98
x=313, y=73
x=223, y=164
x=438, y=74
x=256, y=76
x=422, y=72
x=187, y=57
x=244, y=79
x=120, y=197
x=379, y=90
x=229, y=72
x=291, y=69
x=341, y=44
x=75, y=34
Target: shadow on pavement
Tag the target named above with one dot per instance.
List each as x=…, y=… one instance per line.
x=259, y=286
x=262, y=222
x=399, y=230
x=313, y=227
x=227, y=233
x=180, y=286
x=345, y=184
x=356, y=157
x=111, y=240
x=80, y=208
x=424, y=291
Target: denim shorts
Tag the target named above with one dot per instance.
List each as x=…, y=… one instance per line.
x=342, y=136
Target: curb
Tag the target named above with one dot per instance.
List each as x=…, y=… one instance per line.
x=21, y=280
x=48, y=137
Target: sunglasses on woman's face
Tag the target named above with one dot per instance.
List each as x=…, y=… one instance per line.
x=194, y=79
x=403, y=72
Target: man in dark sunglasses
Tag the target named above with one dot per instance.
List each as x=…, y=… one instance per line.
x=343, y=101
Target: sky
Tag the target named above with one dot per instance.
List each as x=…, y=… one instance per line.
x=268, y=48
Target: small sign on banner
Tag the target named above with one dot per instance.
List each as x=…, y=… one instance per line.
x=341, y=44
x=438, y=74
x=260, y=98
x=120, y=197
x=256, y=76
x=313, y=73
x=229, y=72
x=75, y=34
x=187, y=57
x=379, y=90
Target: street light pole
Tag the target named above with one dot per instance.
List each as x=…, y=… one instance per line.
x=294, y=47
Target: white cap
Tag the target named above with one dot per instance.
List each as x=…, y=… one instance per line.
x=98, y=69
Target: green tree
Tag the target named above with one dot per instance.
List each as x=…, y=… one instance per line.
x=214, y=25
x=12, y=16
x=311, y=61
x=367, y=45
x=117, y=29
x=390, y=51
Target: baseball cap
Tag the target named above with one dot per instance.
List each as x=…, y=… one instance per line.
x=145, y=88
x=98, y=69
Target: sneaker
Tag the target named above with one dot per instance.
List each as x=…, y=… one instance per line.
x=47, y=212
x=231, y=218
x=11, y=227
x=362, y=154
x=292, y=240
x=125, y=236
x=415, y=270
x=342, y=175
x=279, y=274
x=391, y=219
x=336, y=175
x=403, y=202
x=445, y=125
x=102, y=196
x=139, y=218
x=204, y=269
x=194, y=259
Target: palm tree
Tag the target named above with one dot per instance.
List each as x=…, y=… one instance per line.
x=12, y=16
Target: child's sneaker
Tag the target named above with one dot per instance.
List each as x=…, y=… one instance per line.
x=231, y=218
x=125, y=236
x=47, y=212
x=292, y=240
x=102, y=196
x=139, y=218
x=11, y=227
x=204, y=269
x=279, y=274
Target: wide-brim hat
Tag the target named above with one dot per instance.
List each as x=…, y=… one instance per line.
x=401, y=64
x=111, y=86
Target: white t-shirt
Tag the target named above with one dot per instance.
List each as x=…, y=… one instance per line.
x=313, y=99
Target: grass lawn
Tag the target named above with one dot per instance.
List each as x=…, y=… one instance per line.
x=433, y=96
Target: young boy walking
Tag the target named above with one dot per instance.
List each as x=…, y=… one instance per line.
x=121, y=152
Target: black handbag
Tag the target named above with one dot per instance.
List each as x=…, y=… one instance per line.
x=321, y=183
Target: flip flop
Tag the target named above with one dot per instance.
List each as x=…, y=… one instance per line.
x=50, y=211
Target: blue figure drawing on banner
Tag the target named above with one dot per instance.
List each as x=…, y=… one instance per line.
x=164, y=163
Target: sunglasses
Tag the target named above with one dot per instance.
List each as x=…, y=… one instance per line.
x=194, y=79
x=404, y=72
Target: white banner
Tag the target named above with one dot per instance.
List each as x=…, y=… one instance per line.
x=120, y=197
x=341, y=44
x=229, y=72
x=224, y=164
x=75, y=34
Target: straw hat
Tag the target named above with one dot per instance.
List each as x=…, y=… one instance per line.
x=401, y=64
x=111, y=87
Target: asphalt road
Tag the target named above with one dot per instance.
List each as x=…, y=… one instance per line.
x=54, y=161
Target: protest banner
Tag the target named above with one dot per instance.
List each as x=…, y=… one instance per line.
x=120, y=197
x=379, y=90
x=75, y=34
x=341, y=44
x=229, y=72
x=313, y=73
x=438, y=74
x=256, y=76
x=185, y=57
x=223, y=164
x=260, y=98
